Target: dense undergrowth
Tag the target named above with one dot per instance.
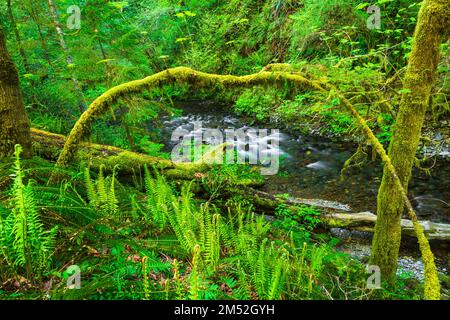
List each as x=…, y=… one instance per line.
x=155, y=240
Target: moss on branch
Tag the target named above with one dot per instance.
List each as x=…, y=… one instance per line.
x=197, y=79
x=48, y=145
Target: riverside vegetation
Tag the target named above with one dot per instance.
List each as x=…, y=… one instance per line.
x=91, y=185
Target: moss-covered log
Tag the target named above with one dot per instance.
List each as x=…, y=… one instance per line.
x=48, y=146
x=14, y=123
x=334, y=215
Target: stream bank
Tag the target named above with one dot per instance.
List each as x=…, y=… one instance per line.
x=311, y=168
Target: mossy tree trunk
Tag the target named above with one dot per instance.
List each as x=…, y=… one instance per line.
x=432, y=24
x=14, y=123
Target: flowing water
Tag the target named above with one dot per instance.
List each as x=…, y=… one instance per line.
x=311, y=168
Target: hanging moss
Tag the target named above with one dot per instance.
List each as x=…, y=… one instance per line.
x=390, y=232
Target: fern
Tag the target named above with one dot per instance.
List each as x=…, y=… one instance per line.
x=177, y=280
x=90, y=187
x=211, y=241
x=146, y=283
x=102, y=193
x=194, y=277
x=159, y=196
x=25, y=244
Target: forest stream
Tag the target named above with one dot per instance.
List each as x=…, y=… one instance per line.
x=225, y=152
x=310, y=168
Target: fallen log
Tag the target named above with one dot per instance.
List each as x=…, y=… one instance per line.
x=365, y=221
x=48, y=146
x=337, y=215
x=334, y=215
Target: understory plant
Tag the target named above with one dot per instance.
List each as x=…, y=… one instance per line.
x=25, y=245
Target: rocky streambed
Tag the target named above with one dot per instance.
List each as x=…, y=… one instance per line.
x=310, y=168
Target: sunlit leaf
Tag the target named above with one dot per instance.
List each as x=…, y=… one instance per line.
x=182, y=39
x=119, y=5
x=362, y=5
x=105, y=60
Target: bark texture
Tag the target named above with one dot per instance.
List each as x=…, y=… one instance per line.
x=14, y=123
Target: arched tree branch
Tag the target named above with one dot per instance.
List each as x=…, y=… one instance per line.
x=102, y=104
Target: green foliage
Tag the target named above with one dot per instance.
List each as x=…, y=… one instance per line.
x=199, y=252
x=328, y=16
x=25, y=244
x=159, y=198
x=226, y=175
x=267, y=271
x=302, y=221
x=102, y=193
x=145, y=276
x=258, y=102
x=194, y=277
x=163, y=242
x=385, y=123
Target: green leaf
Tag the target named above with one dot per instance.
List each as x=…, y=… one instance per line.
x=182, y=39
x=243, y=20
x=384, y=1
x=362, y=5
x=190, y=14
x=119, y=5
x=105, y=60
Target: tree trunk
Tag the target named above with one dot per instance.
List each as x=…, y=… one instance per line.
x=69, y=59
x=432, y=23
x=17, y=35
x=14, y=123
